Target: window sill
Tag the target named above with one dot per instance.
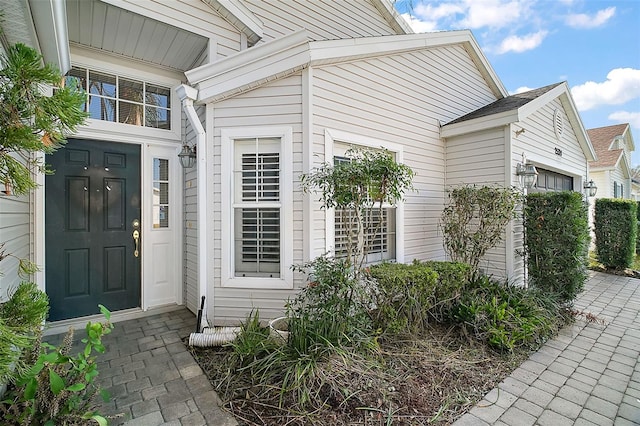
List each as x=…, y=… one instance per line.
x=258, y=283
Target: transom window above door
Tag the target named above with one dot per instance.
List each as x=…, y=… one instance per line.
x=123, y=100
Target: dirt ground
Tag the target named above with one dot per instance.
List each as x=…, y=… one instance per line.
x=431, y=379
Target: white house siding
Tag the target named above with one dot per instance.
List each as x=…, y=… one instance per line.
x=402, y=99
x=193, y=15
x=324, y=19
x=479, y=159
x=190, y=217
x=14, y=233
x=617, y=175
x=278, y=103
x=538, y=143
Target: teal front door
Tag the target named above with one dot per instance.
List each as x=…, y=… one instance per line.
x=92, y=237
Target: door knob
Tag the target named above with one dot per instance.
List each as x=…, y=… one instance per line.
x=136, y=239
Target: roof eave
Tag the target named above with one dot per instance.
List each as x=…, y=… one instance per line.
x=49, y=19
x=295, y=51
x=391, y=15
x=239, y=16
x=481, y=123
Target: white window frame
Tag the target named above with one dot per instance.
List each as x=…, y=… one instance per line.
x=331, y=137
x=227, y=139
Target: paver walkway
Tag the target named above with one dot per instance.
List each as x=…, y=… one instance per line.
x=151, y=376
x=588, y=375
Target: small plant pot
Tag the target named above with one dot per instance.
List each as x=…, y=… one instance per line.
x=279, y=329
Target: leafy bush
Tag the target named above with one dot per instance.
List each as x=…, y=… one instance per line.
x=59, y=388
x=408, y=296
x=252, y=342
x=616, y=230
x=475, y=219
x=333, y=307
x=508, y=317
x=557, y=242
x=21, y=318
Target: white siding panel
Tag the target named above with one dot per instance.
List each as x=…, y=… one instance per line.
x=14, y=233
x=279, y=103
x=190, y=218
x=324, y=19
x=402, y=99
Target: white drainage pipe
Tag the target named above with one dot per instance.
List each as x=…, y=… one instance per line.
x=213, y=336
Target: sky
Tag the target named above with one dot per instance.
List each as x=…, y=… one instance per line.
x=593, y=45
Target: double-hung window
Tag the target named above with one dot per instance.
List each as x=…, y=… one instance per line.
x=257, y=223
x=382, y=224
x=256, y=207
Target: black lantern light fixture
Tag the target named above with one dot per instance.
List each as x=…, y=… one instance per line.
x=527, y=173
x=187, y=156
x=591, y=188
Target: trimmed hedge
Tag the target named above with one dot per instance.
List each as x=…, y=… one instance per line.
x=408, y=296
x=557, y=242
x=616, y=227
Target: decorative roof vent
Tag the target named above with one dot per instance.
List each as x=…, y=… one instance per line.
x=558, y=123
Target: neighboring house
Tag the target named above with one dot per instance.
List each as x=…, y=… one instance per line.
x=264, y=91
x=612, y=171
x=635, y=189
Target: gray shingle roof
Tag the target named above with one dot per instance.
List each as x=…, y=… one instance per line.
x=506, y=104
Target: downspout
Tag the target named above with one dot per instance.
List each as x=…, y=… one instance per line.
x=187, y=95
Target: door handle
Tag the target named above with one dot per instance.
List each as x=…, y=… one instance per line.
x=136, y=239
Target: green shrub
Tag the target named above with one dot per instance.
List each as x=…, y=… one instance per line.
x=21, y=318
x=616, y=230
x=557, y=242
x=332, y=308
x=475, y=219
x=637, y=224
x=507, y=316
x=27, y=307
x=59, y=388
x=409, y=296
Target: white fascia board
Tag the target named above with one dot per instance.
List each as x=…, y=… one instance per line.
x=250, y=68
x=391, y=15
x=629, y=137
x=239, y=16
x=479, y=124
x=50, y=22
x=576, y=122
x=294, y=52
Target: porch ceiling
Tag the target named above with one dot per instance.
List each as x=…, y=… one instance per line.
x=101, y=26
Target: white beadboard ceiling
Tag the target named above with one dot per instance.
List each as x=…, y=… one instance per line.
x=101, y=26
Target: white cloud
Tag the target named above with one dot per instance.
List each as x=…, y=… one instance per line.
x=621, y=86
x=418, y=25
x=521, y=44
x=442, y=10
x=492, y=13
x=521, y=89
x=633, y=118
x=582, y=20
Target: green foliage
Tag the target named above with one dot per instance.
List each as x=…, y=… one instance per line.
x=371, y=179
x=475, y=219
x=27, y=308
x=21, y=318
x=332, y=308
x=253, y=341
x=637, y=224
x=408, y=297
x=59, y=388
x=31, y=121
x=616, y=231
x=557, y=242
x=508, y=317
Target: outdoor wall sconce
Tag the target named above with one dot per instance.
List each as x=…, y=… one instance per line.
x=527, y=173
x=187, y=156
x=591, y=188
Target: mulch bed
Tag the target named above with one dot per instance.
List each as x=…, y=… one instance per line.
x=433, y=378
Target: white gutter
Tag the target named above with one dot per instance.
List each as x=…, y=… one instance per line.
x=187, y=95
x=50, y=22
